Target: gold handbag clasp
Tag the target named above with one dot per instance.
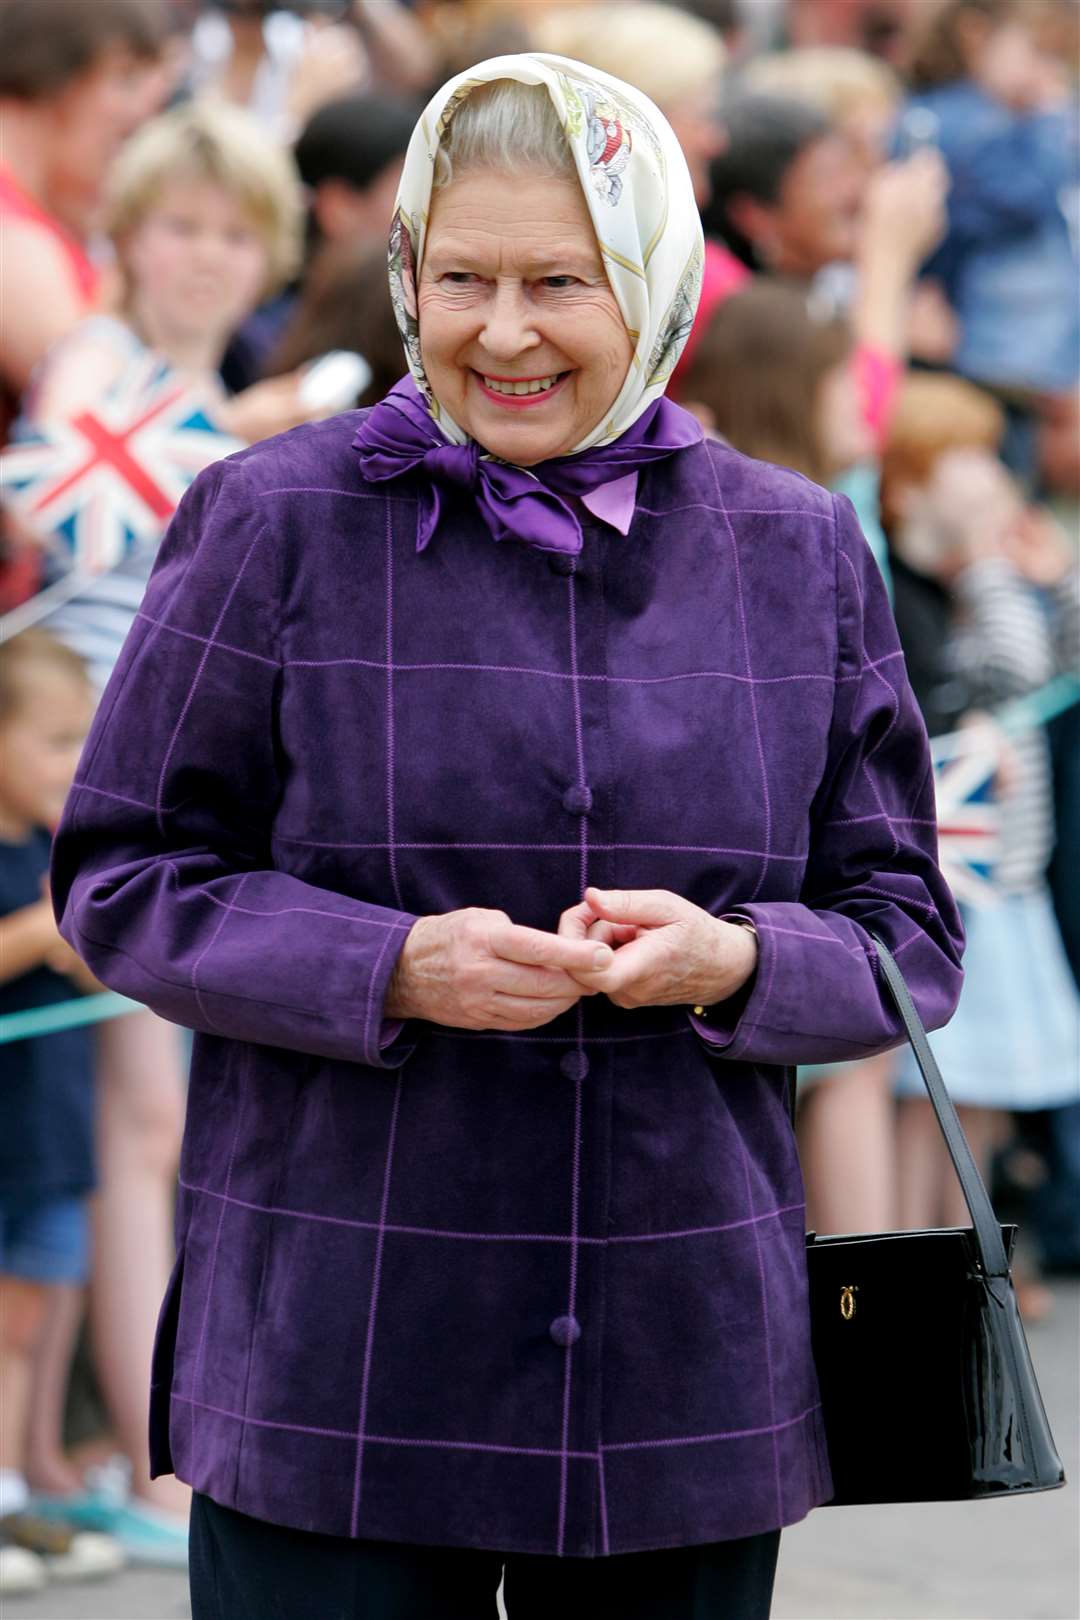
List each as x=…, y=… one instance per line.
x=847, y=1300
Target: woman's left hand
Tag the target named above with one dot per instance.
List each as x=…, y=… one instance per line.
x=667, y=950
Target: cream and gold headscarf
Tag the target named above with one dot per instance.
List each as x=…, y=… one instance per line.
x=641, y=200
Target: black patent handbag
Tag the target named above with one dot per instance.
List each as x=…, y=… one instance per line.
x=927, y=1387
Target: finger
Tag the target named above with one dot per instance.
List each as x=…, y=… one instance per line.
x=513, y=942
x=524, y=1011
x=535, y=983
x=632, y=967
x=646, y=908
x=575, y=921
x=612, y=934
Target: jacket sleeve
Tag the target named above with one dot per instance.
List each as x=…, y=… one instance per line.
x=872, y=868
x=163, y=875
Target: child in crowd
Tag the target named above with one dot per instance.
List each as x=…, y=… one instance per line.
x=993, y=101
x=204, y=213
x=205, y=216
x=46, y=1100
x=988, y=607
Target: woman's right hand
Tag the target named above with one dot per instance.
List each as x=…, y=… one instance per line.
x=475, y=969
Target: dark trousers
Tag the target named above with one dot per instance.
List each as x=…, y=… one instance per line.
x=246, y=1569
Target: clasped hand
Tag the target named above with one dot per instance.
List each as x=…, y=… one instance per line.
x=475, y=969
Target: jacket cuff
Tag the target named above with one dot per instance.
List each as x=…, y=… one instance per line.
x=719, y=1025
x=387, y=1042
x=397, y=1042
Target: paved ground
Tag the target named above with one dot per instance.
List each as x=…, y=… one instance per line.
x=1003, y=1560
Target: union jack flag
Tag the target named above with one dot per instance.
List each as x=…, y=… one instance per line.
x=965, y=765
x=105, y=481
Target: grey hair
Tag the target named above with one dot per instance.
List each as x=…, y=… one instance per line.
x=508, y=127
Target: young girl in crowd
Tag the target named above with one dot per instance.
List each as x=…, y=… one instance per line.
x=205, y=216
x=46, y=1101
x=987, y=595
x=775, y=376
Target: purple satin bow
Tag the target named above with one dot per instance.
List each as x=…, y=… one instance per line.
x=399, y=436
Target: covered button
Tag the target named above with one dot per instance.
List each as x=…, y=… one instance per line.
x=565, y=1330
x=575, y=1065
x=578, y=799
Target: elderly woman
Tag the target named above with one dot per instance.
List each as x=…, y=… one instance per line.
x=502, y=783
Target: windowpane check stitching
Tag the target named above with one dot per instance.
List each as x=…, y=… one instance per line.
x=220, y=620
x=740, y=602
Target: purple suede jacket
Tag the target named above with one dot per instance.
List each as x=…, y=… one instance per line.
x=538, y=1292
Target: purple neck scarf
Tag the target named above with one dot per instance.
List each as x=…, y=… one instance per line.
x=515, y=503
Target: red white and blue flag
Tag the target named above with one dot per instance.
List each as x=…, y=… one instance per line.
x=965, y=766
x=105, y=481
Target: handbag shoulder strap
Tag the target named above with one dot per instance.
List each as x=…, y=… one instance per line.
x=988, y=1241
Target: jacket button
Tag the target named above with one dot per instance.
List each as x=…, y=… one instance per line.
x=565, y=1330
x=575, y=1065
x=560, y=563
x=578, y=799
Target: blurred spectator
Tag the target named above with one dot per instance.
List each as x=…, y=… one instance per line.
x=402, y=57
x=877, y=26
x=1004, y=579
x=74, y=82
x=467, y=31
x=775, y=375
x=786, y=190
x=858, y=94
x=1055, y=1205
x=349, y=156
x=205, y=215
x=1059, y=454
x=779, y=375
x=960, y=418
x=993, y=101
x=726, y=17
x=72, y=88
x=790, y=198
x=265, y=58
x=345, y=304
x=46, y=1102
x=283, y=59
x=675, y=58
x=205, y=218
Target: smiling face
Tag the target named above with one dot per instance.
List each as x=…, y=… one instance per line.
x=197, y=261
x=521, y=337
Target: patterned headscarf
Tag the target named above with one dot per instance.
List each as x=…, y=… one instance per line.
x=639, y=195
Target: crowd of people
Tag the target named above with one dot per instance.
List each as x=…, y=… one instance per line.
x=195, y=199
